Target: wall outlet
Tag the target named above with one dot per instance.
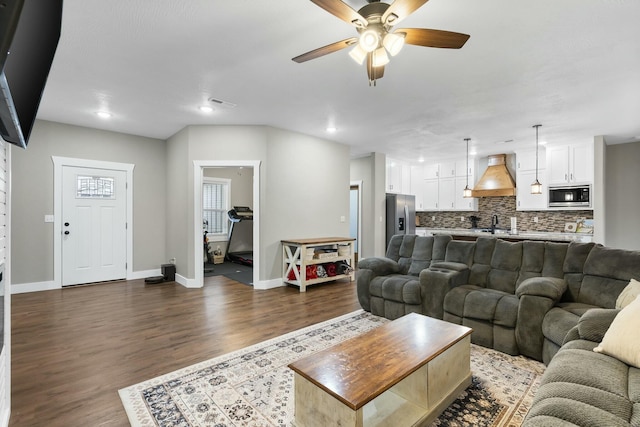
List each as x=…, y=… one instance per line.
x=461, y=219
x=48, y=218
x=535, y=219
x=433, y=218
x=342, y=218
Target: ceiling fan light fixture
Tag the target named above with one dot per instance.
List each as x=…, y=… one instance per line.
x=380, y=57
x=369, y=40
x=393, y=42
x=358, y=54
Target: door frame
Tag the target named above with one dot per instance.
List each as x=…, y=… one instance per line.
x=198, y=177
x=58, y=164
x=358, y=184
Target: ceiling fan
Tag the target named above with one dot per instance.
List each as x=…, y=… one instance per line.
x=374, y=23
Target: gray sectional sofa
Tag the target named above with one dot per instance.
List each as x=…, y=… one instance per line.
x=583, y=388
x=532, y=298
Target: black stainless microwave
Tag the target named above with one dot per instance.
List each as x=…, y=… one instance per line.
x=572, y=196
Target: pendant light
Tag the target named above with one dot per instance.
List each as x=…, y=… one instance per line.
x=467, y=191
x=536, y=187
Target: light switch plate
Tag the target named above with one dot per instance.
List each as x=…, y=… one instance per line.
x=48, y=218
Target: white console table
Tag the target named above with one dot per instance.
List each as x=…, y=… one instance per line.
x=297, y=254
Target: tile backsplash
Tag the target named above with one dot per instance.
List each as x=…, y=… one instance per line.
x=504, y=208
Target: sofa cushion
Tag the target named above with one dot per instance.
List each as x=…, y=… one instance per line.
x=401, y=288
x=505, y=265
x=621, y=339
x=421, y=255
x=561, y=319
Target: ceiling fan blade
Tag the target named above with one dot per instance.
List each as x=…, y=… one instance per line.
x=374, y=73
x=433, y=38
x=325, y=50
x=401, y=9
x=342, y=11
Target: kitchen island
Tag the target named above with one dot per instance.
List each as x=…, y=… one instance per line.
x=473, y=234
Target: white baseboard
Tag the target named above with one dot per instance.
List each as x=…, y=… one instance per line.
x=188, y=283
x=22, y=288
x=268, y=284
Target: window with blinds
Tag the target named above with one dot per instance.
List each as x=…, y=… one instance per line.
x=215, y=205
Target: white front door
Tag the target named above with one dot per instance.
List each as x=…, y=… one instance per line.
x=94, y=233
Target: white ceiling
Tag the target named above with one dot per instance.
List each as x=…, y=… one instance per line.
x=571, y=65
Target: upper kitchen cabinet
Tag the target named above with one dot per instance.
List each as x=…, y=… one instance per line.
x=398, y=176
x=570, y=164
x=417, y=186
x=444, y=184
x=526, y=175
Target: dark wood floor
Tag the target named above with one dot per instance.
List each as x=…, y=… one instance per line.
x=73, y=349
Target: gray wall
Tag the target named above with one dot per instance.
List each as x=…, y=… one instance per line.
x=622, y=196
x=304, y=187
x=32, y=193
x=371, y=171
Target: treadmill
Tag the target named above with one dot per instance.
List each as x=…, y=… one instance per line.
x=240, y=245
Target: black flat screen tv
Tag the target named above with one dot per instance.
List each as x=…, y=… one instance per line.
x=29, y=34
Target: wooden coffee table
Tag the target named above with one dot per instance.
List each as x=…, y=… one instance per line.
x=405, y=372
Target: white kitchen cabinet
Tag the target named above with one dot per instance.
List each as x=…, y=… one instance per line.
x=444, y=185
x=431, y=171
x=447, y=170
x=461, y=168
x=463, y=203
x=417, y=186
x=526, y=175
x=446, y=194
x=525, y=201
x=398, y=176
x=526, y=160
x=430, y=195
x=570, y=164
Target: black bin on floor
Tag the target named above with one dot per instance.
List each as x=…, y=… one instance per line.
x=169, y=272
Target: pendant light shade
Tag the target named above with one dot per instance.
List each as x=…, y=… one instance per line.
x=536, y=187
x=369, y=40
x=393, y=42
x=358, y=54
x=380, y=57
x=467, y=191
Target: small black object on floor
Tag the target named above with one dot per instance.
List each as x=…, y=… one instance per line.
x=168, y=275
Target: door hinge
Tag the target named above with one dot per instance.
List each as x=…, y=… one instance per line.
x=126, y=225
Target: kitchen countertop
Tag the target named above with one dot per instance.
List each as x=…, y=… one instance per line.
x=522, y=235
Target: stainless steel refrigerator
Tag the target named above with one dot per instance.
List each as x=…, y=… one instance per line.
x=401, y=214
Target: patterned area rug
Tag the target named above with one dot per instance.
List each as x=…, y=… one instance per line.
x=254, y=387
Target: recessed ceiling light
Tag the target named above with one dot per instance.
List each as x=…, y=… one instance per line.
x=103, y=114
x=543, y=142
x=421, y=159
x=205, y=109
x=331, y=129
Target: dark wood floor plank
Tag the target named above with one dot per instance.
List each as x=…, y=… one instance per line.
x=73, y=349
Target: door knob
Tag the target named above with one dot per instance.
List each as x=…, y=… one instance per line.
x=66, y=232
x=66, y=224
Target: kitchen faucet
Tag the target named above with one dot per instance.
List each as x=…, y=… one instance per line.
x=494, y=222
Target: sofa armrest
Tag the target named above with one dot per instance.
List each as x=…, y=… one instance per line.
x=536, y=296
x=548, y=287
x=449, y=265
x=592, y=325
x=434, y=285
x=380, y=266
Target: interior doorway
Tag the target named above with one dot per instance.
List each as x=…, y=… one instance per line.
x=355, y=216
x=251, y=168
x=227, y=204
